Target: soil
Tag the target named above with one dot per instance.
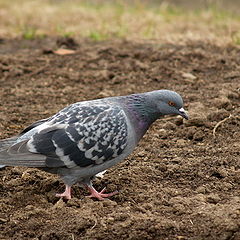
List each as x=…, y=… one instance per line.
x=181, y=182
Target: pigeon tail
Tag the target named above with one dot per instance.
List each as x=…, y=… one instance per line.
x=5, y=143
x=18, y=155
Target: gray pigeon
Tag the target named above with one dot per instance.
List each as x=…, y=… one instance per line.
x=88, y=137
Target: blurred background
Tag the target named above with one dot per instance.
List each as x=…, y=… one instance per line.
x=172, y=20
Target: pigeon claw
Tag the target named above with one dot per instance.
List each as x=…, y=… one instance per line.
x=66, y=194
x=100, y=195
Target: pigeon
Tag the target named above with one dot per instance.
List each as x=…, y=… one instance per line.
x=88, y=137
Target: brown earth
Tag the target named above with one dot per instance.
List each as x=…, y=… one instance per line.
x=183, y=180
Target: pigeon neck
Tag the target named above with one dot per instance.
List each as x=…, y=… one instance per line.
x=141, y=113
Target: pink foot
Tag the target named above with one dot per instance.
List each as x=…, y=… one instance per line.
x=99, y=195
x=66, y=194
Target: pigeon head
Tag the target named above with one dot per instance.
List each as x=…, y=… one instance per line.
x=165, y=102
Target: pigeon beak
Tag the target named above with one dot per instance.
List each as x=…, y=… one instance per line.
x=183, y=113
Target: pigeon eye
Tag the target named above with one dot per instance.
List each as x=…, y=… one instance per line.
x=172, y=104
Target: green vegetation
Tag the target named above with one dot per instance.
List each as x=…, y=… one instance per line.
x=29, y=33
x=236, y=38
x=100, y=20
x=62, y=32
x=97, y=36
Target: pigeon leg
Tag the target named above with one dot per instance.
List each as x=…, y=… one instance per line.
x=66, y=194
x=99, y=195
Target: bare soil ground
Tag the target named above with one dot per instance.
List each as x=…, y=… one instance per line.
x=183, y=180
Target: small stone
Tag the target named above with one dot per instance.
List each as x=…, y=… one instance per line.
x=181, y=238
x=181, y=142
x=189, y=76
x=26, y=175
x=59, y=204
x=141, y=154
x=161, y=133
x=105, y=93
x=110, y=219
x=29, y=207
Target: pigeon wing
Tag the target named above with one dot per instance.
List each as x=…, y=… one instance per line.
x=89, y=136
x=81, y=136
x=36, y=124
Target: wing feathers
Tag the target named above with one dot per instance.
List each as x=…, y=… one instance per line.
x=27, y=129
x=5, y=143
x=18, y=155
x=78, y=136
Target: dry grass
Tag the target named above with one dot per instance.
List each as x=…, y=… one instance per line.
x=105, y=20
